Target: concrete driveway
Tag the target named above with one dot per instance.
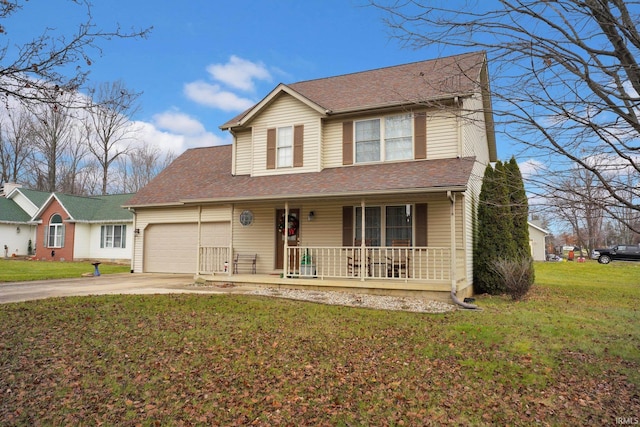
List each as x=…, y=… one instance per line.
x=126, y=283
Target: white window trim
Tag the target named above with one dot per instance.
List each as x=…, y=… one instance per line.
x=382, y=121
x=279, y=147
x=112, y=227
x=58, y=235
x=383, y=221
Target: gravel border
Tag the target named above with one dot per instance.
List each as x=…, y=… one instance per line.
x=381, y=302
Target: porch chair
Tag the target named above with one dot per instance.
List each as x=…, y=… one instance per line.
x=399, y=259
x=355, y=258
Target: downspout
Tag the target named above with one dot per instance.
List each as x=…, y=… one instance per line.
x=199, y=256
x=227, y=262
x=454, y=297
x=135, y=241
x=362, y=240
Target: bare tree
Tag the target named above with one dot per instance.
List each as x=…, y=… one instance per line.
x=53, y=62
x=141, y=166
x=627, y=219
x=52, y=130
x=110, y=131
x=15, y=144
x=579, y=204
x=73, y=168
x=565, y=77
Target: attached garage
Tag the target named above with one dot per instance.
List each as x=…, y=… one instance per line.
x=173, y=248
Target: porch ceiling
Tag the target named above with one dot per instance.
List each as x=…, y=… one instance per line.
x=202, y=175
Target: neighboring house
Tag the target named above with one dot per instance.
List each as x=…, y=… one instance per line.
x=537, y=242
x=366, y=180
x=17, y=230
x=66, y=227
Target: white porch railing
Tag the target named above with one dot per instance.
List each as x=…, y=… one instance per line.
x=393, y=263
x=214, y=259
x=371, y=263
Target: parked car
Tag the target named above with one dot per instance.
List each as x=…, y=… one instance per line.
x=554, y=258
x=620, y=252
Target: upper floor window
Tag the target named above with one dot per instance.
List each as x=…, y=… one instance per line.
x=113, y=236
x=284, y=147
x=55, y=232
x=390, y=138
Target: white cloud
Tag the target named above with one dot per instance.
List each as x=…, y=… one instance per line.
x=212, y=95
x=178, y=122
x=239, y=73
x=530, y=168
x=175, y=132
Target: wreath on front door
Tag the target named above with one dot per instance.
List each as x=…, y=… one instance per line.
x=293, y=225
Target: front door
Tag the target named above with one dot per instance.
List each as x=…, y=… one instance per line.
x=292, y=234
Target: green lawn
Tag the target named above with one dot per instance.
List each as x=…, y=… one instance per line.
x=567, y=355
x=18, y=270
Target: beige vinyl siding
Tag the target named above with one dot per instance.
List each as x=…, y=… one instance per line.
x=442, y=135
x=243, y=153
x=332, y=144
x=216, y=213
x=439, y=226
x=257, y=238
x=215, y=234
x=471, y=198
x=474, y=137
x=443, y=138
x=286, y=111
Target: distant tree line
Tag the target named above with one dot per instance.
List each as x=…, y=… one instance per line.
x=52, y=136
x=82, y=145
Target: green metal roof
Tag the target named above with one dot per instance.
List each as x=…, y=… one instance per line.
x=10, y=211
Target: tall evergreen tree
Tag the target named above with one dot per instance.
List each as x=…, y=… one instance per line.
x=519, y=209
x=494, y=239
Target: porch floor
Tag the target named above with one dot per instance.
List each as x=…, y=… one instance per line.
x=437, y=291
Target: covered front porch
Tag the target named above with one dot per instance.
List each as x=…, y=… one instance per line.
x=426, y=271
x=412, y=243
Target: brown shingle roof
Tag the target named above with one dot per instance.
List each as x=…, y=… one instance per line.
x=203, y=174
x=416, y=82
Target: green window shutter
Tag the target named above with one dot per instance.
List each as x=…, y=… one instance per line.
x=102, y=236
x=347, y=226
x=124, y=236
x=347, y=143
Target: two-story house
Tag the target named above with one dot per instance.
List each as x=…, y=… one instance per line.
x=363, y=181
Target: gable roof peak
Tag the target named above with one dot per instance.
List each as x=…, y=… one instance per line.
x=412, y=83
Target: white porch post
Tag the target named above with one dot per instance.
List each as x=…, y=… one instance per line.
x=285, y=261
x=199, y=256
x=452, y=266
x=362, y=241
x=229, y=260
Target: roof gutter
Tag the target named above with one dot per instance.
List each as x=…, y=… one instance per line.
x=456, y=189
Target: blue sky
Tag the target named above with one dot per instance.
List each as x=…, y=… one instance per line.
x=206, y=61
